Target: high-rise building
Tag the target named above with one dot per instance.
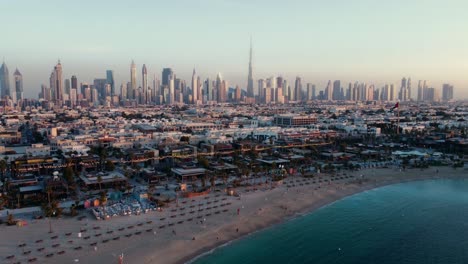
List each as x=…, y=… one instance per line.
x=285, y=89
x=221, y=86
x=73, y=97
x=329, y=91
x=110, y=81
x=237, y=94
x=250, y=81
x=420, y=91
x=133, y=82
x=170, y=95
x=4, y=81
x=309, y=92
x=314, y=92
x=18, y=85
x=194, y=87
x=261, y=89
x=336, y=95
x=123, y=91
x=166, y=76
x=56, y=83
x=67, y=86
x=298, y=89
x=74, y=82
x=207, y=91
x=144, y=92
x=129, y=91
x=447, y=92
x=408, y=89
x=405, y=90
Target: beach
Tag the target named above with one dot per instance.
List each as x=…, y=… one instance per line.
x=194, y=226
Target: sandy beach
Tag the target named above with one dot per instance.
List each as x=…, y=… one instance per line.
x=181, y=233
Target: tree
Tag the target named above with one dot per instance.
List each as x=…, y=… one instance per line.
x=103, y=198
x=68, y=174
x=73, y=211
x=212, y=181
x=3, y=167
x=204, y=162
x=99, y=180
x=110, y=165
x=52, y=209
x=11, y=219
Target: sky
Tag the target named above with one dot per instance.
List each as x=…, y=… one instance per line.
x=370, y=41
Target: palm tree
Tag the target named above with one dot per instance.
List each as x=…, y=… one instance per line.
x=3, y=167
x=212, y=181
x=11, y=219
x=99, y=180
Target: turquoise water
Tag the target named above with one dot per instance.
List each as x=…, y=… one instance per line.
x=418, y=222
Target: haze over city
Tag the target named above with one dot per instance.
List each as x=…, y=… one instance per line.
x=365, y=41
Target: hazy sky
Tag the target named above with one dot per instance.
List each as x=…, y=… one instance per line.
x=365, y=40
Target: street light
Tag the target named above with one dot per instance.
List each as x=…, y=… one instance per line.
x=50, y=223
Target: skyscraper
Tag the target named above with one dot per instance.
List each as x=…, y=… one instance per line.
x=110, y=80
x=56, y=83
x=144, y=94
x=133, y=84
x=123, y=91
x=194, y=88
x=447, y=92
x=74, y=82
x=298, y=89
x=420, y=91
x=403, y=95
x=261, y=86
x=221, y=89
x=329, y=91
x=250, y=81
x=4, y=81
x=166, y=75
x=408, y=89
x=67, y=86
x=18, y=85
x=336, y=94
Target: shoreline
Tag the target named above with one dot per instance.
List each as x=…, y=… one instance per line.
x=143, y=239
x=192, y=258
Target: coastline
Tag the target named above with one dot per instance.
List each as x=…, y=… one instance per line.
x=185, y=241
x=192, y=258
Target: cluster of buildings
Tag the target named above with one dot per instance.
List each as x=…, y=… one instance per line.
x=171, y=90
x=114, y=148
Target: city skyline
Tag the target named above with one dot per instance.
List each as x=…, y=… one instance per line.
x=369, y=42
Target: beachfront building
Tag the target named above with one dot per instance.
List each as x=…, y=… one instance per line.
x=103, y=180
x=292, y=120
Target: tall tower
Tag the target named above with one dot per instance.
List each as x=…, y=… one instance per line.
x=133, y=85
x=144, y=94
x=408, y=89
x=110, y=81
x=4, y=81
x=329, y=91
x=18, y=84
x=250, y=82
x=57, y=83
x=194, y=88
x=220, y=88
x=74, y=82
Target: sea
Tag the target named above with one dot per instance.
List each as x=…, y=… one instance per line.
x=419, y=222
